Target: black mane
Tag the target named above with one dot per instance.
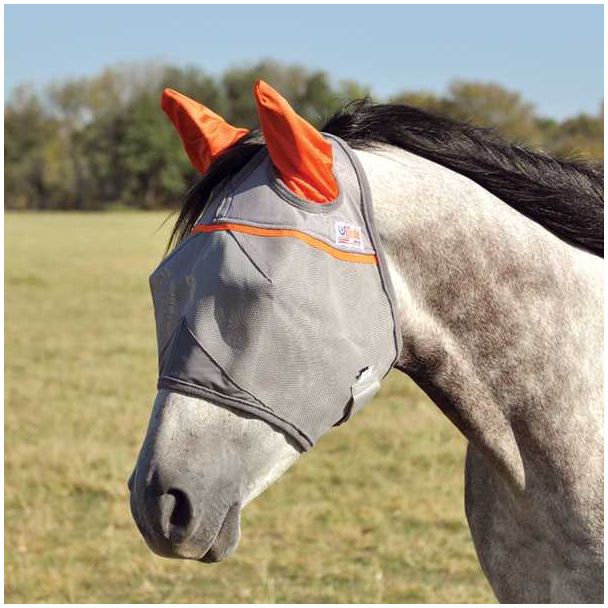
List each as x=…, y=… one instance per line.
x=564, y=196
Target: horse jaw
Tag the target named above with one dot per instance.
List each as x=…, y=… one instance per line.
x=199, y=465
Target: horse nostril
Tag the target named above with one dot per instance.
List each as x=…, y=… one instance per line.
x=181, y=513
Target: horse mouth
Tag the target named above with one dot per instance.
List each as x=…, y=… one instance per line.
x=227, y=538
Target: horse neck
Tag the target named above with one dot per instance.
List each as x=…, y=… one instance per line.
x=500, y=319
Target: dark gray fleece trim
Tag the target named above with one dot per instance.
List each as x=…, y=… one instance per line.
x=192, y=390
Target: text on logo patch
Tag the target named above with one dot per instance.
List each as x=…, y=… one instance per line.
x=349, y=235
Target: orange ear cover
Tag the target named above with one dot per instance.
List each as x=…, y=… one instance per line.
x=205, y=135
x=301, y=155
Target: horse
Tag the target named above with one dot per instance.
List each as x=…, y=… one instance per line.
x=495, y=255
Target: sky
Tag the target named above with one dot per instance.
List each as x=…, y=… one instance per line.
x=552, y=54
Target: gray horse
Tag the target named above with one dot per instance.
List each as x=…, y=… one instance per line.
x=496, y=257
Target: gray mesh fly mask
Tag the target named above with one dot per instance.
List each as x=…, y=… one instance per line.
x=279, y=307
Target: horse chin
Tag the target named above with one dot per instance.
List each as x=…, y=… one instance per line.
x=227, y=539
x=222, y=545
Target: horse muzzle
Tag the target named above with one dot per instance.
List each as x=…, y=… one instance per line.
x=174, y=522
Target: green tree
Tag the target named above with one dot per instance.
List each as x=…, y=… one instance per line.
x=581, y=136
x=153, y=165
x=29, y=136
x=423, y=100
x=96, y=142
x=491, y=105
x=237, y=85
x=68, y=107
x=310, y=93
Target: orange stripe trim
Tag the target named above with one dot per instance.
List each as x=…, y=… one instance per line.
x=359, y=258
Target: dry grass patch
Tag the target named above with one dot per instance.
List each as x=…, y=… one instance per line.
x=373, y=514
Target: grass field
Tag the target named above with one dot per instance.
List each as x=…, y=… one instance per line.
x=373, y=514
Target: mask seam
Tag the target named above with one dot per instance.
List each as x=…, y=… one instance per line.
x=248, y=256
x=212, y=358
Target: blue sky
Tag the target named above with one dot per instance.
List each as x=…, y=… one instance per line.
x=552, y=54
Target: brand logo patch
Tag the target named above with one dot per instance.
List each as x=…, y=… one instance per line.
x=349, y=235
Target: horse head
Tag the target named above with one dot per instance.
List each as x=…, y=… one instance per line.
x=275, y=321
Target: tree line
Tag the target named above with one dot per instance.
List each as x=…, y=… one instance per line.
x=103, y=142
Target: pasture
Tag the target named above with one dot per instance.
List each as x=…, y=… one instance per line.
x=373, y=514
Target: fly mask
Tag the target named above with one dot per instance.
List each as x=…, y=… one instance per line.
x=279, y=303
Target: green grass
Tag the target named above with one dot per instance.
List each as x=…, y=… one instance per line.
x=373, y=514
